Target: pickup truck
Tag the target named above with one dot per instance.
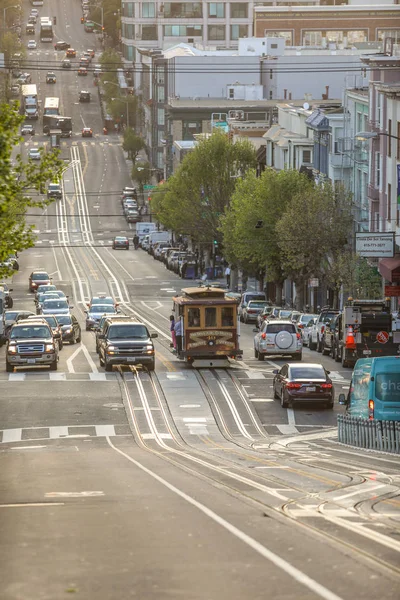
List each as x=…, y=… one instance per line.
x=316, y=338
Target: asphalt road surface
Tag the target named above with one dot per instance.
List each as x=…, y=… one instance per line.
x=181, y=483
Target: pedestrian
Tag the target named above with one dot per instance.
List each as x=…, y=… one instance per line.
x=172, y=330
x=228, y=276
x=178, y=335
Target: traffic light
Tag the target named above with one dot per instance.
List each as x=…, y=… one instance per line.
x=215, y=242
x=54, y=20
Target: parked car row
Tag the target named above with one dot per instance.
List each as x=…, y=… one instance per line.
x=129, y=202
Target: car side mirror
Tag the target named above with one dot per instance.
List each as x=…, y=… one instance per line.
x=328, y=372
x=154, y=335
x=342, y=400
x=275, y=371
x=71, y=306
x=10, y=289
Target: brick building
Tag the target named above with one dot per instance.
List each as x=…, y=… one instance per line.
x=322, y=25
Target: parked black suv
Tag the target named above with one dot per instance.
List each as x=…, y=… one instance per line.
x=126, y=343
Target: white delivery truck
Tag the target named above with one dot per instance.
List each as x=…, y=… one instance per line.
x=158, y=236
x=143, y=229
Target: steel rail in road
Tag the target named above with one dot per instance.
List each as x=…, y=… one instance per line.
x=163, y=440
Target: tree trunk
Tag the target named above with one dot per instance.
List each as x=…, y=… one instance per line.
x=300, y=298
x=234, y=280
x=279, y=289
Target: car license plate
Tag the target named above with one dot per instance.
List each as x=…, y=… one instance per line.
x=131, y=359
x=367, y=352
x=31, y=361
x=311, y=389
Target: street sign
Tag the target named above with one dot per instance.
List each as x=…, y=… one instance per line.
x=392, y=290
x=149, y=187
x=313, y=282
x=375, y=245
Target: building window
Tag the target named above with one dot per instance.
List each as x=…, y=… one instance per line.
x=307, y=156
x=389, y=203
x=128, y=9
x=128, y=31
x=238, y=31
x=129, y=53
x=216, y=32
x=183, y=31
x=270, y=95
x=189, y=128
x=377, y=170
x=182, y=10
x=388, y=33
x=160, y=94
x=398, y=140
x=161, y=116
x=312, y=38
x=231, y=93
x=148, y=10
x=239, y=10
x=216, y=10
x=287, y=35
x=149, y=32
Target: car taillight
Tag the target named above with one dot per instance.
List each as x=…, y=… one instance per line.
x=326, y=386
x=264, y=336
x=371, y=406
x=298, y=336
x=293, y=386
x=322, y=328
x=300, y=326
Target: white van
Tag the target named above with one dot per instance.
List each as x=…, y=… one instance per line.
x=143, y=228
x=158, y=236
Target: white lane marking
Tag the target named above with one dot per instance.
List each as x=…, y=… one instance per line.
x=71, y=358
x=281, y=563
x=277, y=467
x=89, y=359
x=27, y=447
x=152, y=436
x=12, y=435
x=57, y=376
x=189, y=405
x=16, y=377
x=98, y=376
x=58, y=432
x=287, y=429
x=364, y=488
x=261, y=400
x=31, y=504
x=105, y=430
x=73, y=494
x=195, y=420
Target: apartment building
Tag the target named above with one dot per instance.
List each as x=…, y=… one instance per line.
x=324, y=25
x=161, y=24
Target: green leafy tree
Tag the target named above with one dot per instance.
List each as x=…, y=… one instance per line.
x=249, y=224
x=20, y=186
x=110, y=62
x=132, y=143
x=142, y=174
x=313, y=234
x=198, y=193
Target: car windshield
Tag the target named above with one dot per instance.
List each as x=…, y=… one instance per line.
x=55, y=305
x=256, y=304
x=102, y=301
x=39, y=331
x=307, y=318
x=47, y=296
x=328, y=317
x=128, y=332
x=39, y=276
x=284, y=314
x=278, y=327
x=100, y=308
x=10, y=315
x=46, y=288
x=64, y=319
x=387, y=387
x=52, y=321
x=250, y=297
x=307, y=373
x=121, y=239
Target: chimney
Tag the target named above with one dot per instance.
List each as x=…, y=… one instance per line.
x=284, y=94
x=290, y=95
x=327, y=91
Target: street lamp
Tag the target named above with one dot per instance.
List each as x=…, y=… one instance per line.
x=4, y=15
x=127, y=103
x=363, y=136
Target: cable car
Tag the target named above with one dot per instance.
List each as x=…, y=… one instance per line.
x=210, y=335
